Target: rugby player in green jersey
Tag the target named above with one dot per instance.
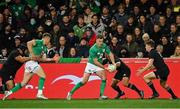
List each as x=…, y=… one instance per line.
x=95, y=65
x=37, y=49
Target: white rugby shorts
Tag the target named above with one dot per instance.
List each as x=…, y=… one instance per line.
x=91, y=68
x=31, y=66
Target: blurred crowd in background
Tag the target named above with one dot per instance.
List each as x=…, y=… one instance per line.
x=126, y=26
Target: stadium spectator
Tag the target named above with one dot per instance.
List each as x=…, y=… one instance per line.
x=80, y=28
x=88, y=15
x=159, y=49
x=156, y=34
x=106, y=17
x=51, y=51
x=62, y=48
x=73, y=16
x=178, y=22
x=97, y=26
x=145, y=25
x=121, y=16
x=120, y=34
x=72, y=39
x=72, y=53
x=131, y=45
x=129, y=27
x=136, y=13
x=176, y=52
x=167, y=47
x=173, y=33
x=115, y=47
x=169, y=15
x=41, y=16
x=138, y=36
x=164, y=25
x=66, y=25
x=56, y=32
x=83, y=48
x=7, y=38
x=4, y=53
x=90, y=36
x=153, y=16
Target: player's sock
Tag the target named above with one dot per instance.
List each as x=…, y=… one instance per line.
x=170, y=91
x=16, y=88
x=133, y=87
x=150, y=84
x=116, y=88
x=103, y=85
x=41, y=85
x=76, y=87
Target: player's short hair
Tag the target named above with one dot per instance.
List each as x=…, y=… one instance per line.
x=99, y=37
x=46, y=35
x=151, y=43
x=23, y=47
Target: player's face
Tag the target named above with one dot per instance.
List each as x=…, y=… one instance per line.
x=99, y=42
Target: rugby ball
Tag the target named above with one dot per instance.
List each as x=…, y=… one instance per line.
x=111, y=68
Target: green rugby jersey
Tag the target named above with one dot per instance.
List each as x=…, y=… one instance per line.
x=96, y=52
x=39, y=48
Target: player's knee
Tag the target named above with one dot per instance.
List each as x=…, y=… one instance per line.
x=125, y=84
x=23, y=84
x=146, y=79
x=10, y=86
x=84, y=82
x=163, y=84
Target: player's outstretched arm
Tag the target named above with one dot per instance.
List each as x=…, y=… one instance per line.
x=111, y=56
x=147, y=67
x=22, y=59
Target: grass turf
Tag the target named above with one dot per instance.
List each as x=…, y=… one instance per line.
x=126, y=103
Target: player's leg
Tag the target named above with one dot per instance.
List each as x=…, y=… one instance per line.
x=116, y=88
x=83, y=82
x=167, y=88
x=9, y=84
x=148, y=79
x=126, y=83
x=102, y=75
x=80, y=84
x=42, y=76
x=27, y=77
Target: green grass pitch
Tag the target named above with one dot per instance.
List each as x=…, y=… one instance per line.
x=92, y=103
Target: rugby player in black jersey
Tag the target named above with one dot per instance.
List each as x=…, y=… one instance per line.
x=8, y=71
x=123, y=74
x=161, y=72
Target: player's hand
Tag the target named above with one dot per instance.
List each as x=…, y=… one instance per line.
x=35, y=58
x=56, y=58
x=106, y=68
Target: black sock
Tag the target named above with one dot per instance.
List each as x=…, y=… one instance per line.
x=116, y=88
x=133, y=87
x=150, y=84
x=170, y=91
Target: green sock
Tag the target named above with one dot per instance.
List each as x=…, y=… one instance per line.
x=16, y=88
x=76, y=87
x=103, y=85
x=41, y=83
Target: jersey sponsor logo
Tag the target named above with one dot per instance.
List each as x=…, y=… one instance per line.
x=75, y=79
x=103, y=50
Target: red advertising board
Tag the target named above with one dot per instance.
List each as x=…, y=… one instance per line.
x=61, y=78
